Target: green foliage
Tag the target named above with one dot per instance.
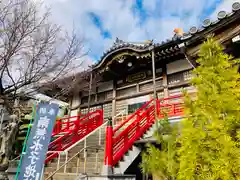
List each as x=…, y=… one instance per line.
x=209, y=146
x=162, y=163
x=209, y=135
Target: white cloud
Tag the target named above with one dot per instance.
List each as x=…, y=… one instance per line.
x=162, y=29
x=118, y=19
x=226, y=5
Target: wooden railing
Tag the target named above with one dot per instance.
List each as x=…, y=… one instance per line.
x=73, y=132
x=119, y=140
x=172, y=106
x=65, y=124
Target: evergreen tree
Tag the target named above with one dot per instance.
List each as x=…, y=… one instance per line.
x=209, y=135
x=209, y=144
x=162, y=162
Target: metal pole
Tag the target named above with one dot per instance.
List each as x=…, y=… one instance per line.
x=100, y=137
x=85, y=161
x=85, y=155
x=42, y=174
x=58, y=162
x=96, y=162
x=154, y=86
x=66, y=160
x=78, y=162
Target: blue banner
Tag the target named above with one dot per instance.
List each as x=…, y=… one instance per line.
x=38, y=140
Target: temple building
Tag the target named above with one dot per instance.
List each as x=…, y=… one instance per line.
x=130, y=74
x=122, y=80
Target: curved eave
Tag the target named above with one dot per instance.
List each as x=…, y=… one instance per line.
x=117, y=50
x=167, y=47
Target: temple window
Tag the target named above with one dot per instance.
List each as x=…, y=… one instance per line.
x=133, y=107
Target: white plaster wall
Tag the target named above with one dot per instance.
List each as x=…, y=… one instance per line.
x=75, y=102
x=177, y=66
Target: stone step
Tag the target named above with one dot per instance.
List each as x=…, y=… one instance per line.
x=90, y=164
x=93, y=169
x=63, y=176
x=90, y=157
x=91, y=146
x=89, y=152
x=73, y=176
x=81, y=164
x=90, y=167
x=81, y=161
x=74, y=162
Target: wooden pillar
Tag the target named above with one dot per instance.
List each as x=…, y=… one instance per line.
x=75, y=103
x=114, y=100
x=165, y=82
x=138, y=88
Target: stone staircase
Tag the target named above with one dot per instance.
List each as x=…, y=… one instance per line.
x=135, y=151
x=93, y=162
x=132, y=154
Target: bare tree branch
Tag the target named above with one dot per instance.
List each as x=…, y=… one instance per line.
x=33, y=49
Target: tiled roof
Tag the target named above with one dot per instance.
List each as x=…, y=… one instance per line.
x=171, y=44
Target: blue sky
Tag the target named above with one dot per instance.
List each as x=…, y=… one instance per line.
x=99, y=22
